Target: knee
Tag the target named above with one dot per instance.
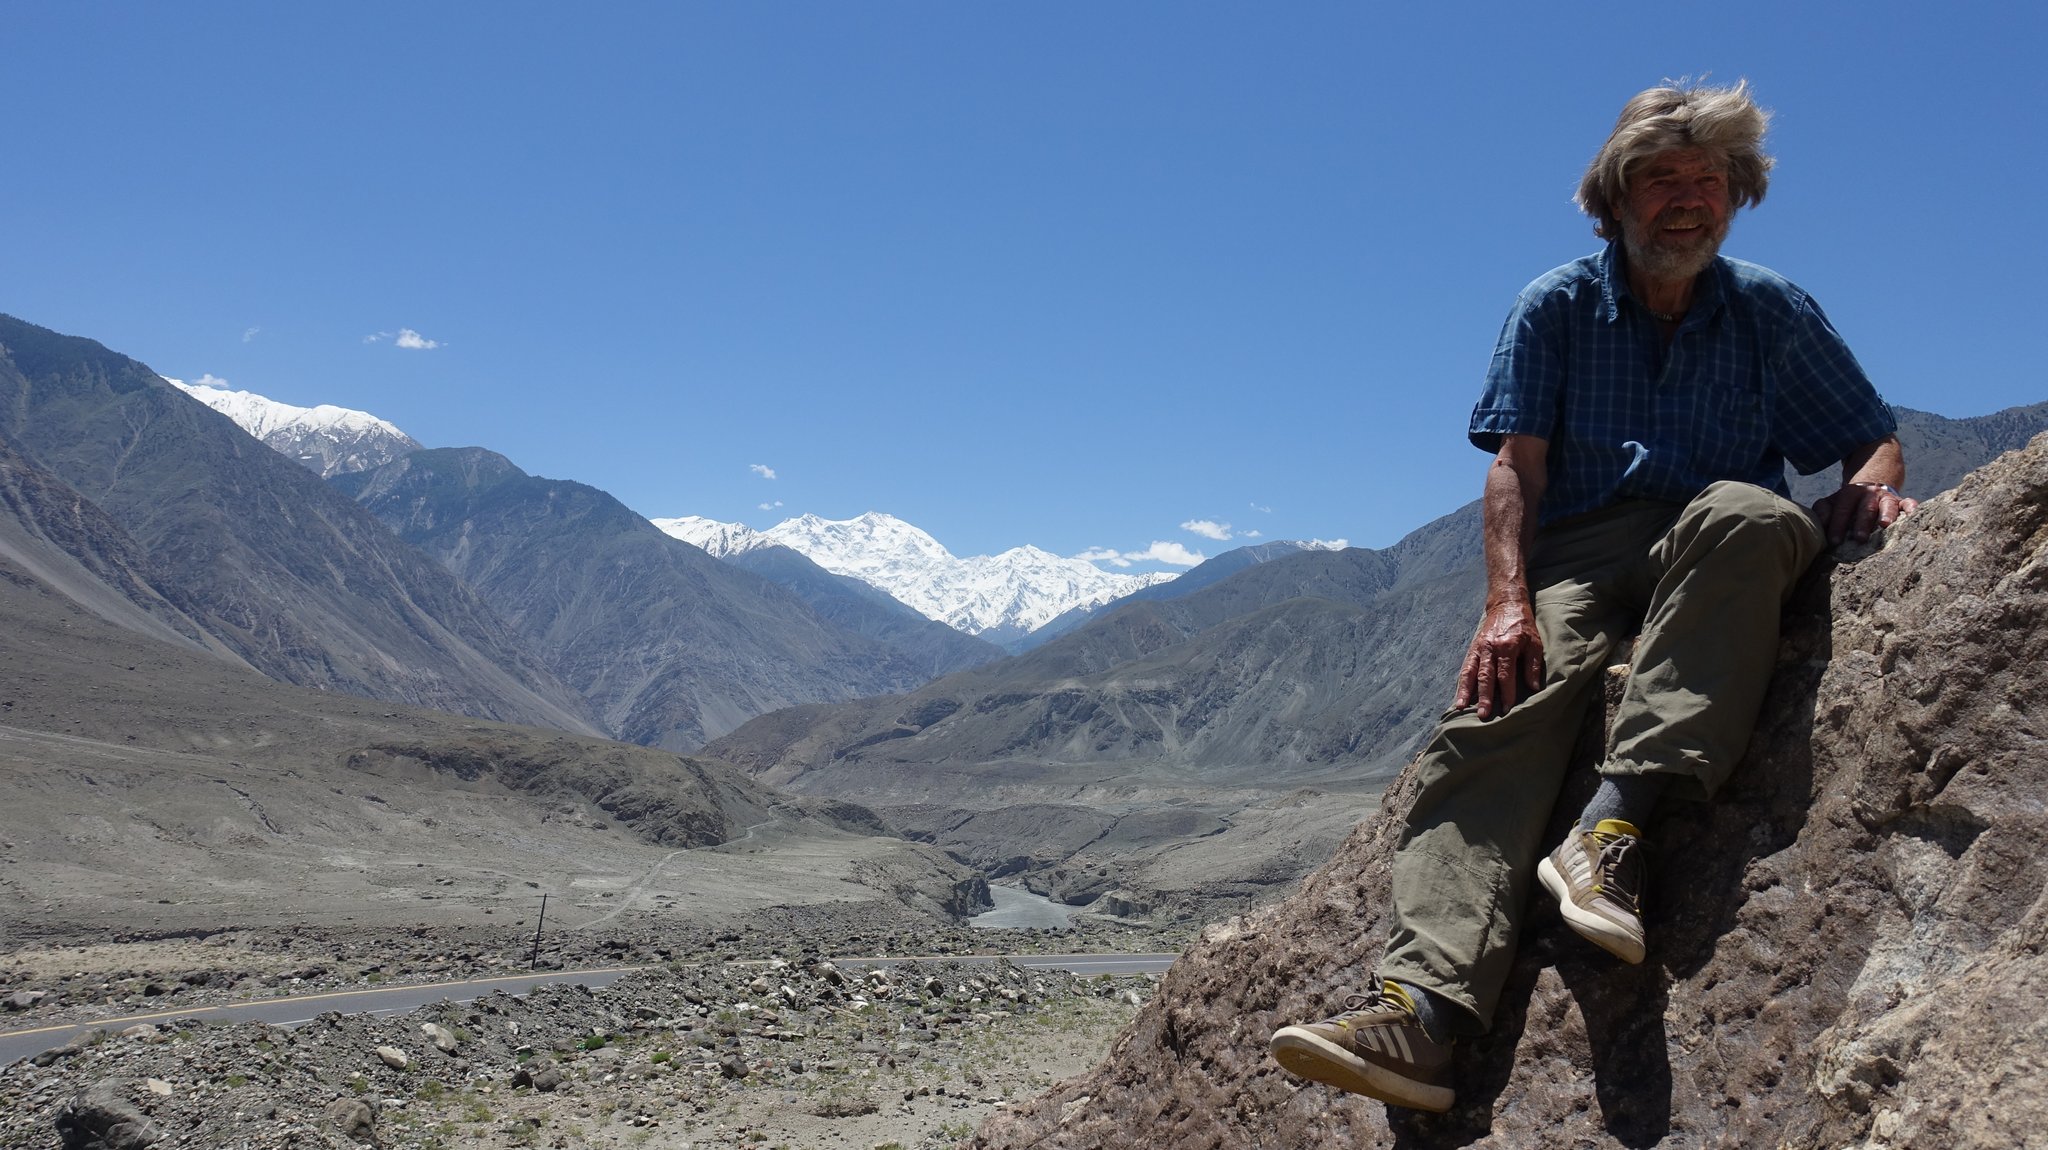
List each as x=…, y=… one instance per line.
x=1743, y=513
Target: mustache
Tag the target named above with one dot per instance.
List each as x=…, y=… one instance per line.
x=1684, y=218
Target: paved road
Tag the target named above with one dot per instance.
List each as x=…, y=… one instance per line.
x=296, y=1009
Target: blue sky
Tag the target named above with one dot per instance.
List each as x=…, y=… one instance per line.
x=1063, y=274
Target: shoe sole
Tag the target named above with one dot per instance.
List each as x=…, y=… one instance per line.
x=1589, y=926
x=1321, y=1060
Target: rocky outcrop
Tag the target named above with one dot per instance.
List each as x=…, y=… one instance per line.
x=1846, y=947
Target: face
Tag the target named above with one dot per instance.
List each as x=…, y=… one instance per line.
x=1677, y=213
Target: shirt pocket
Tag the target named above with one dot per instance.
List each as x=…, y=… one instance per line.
x=1732, y=427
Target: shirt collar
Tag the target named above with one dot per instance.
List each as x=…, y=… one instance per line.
x=1707, y=294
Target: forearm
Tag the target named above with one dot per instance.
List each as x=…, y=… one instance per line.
x=1879, y=463
x=1509, y=509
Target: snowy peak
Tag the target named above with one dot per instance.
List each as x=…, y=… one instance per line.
x=1013, y=593
x=719, y=539
x=330, y=440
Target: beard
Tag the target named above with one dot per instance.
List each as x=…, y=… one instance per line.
x=1664, y=255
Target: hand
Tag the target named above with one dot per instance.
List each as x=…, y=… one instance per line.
x=1507, y=653
x=1861, y=508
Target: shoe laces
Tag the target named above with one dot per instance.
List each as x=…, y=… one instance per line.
x=1379, y=995
x=1617, y=869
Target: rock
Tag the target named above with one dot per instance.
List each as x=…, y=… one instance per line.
x=100, y=1117
x=732, y=1068
x=157, y=1086
x=68, y=1050
x=442, y=1038
x=354, y=1117
x=24, y=999
x=393, y=1057
x=544, y=1077
x=1848, y=947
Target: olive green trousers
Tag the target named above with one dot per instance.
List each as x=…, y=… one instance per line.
x=1705, y=584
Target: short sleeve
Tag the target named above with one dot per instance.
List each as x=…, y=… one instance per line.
x=1825, y=406
x=1525, y=378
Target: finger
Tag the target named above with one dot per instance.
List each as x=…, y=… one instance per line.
x=1866, y=515
x=1484, y=679
x=1504, y=680
x=1532, y=666
x=1841, y=507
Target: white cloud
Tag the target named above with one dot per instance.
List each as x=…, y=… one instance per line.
x=1261, y=509
x=249, y=334
x=769, y=506
x=1172, y=554
x=762, y=470
x=1207, y=529
x=1326, y=544
x=211, y=380
x=1254, y=535
x=375, y=336
x=408, y=338
x=1104, y=555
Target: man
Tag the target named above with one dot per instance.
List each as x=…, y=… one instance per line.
x=1641, y=406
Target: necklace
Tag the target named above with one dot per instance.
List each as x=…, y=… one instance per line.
x=1664, y=316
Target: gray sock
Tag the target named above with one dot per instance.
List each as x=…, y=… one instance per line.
x=1629, y=798
x=1440, y=1017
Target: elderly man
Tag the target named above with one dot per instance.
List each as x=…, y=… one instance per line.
x=1641, y=406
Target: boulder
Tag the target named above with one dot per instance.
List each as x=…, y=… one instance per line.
x=100, y=1117
x=355, y=1118
x=1849, y=947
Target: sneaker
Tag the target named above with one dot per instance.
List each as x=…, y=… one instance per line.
x=1597, y=878
x=1377, y=1048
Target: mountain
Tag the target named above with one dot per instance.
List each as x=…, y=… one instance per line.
x=1002, y=597
x=329, y=440
x=1207, y=572
x=1284, y=667
x=669, y=646
x=155, y=789
x=934, y=648
x=57, y=537
x=722, y=540
x=1847, y=947
x=287, y=574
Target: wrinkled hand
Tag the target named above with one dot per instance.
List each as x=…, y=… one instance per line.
x=1859, y=509
x=1506, y=655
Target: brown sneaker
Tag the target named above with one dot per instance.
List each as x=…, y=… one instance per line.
x=1376, y=1047
x=1597, y=878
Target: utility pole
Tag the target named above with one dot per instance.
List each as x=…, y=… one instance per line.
x=533, y=963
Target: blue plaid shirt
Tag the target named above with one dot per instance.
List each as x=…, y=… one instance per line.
x=1755, y=376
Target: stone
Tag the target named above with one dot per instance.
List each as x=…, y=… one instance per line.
x=355, y=1118
x=157, y=1086
x=100, y=1117
x=544, y=1077
x=442, y=1038
x=1847, y=947
x=393, y=1057
x=24, y=999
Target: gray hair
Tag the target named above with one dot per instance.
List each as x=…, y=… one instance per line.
x=1725, y=122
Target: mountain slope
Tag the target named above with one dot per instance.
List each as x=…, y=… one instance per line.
x=934, y=648
x=670, y=646
x=296, y=580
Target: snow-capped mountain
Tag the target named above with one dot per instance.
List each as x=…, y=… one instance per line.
x=1004, y=595
x=720, y=539
x=330, y=440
